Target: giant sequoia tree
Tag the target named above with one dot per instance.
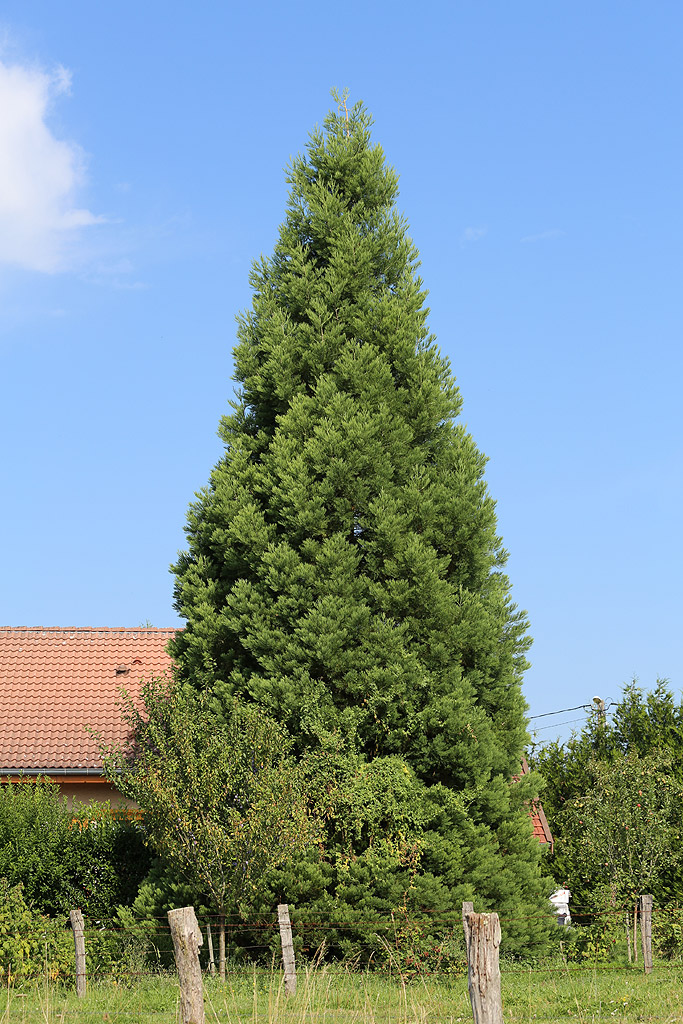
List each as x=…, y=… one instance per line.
x=343, y=567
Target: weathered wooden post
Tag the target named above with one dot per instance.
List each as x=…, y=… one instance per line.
x=287, y=948
x=187, y=938
x=483, y=968
x=76, y=918
x=467, y=908
x=645, y=904
x=209, y=937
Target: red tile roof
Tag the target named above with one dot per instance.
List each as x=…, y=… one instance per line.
x=537, y=814
x=56, y=682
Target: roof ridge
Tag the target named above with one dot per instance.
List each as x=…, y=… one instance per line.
x=89, y=629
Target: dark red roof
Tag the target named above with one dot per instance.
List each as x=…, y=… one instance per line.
x=56, y=682
x=537, y=814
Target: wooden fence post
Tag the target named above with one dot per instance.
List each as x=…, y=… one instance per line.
x=483, y=968
x=187, y=939
x=76, y=917
x=209, y=937
x=467, y=908
x=645, y=904
x=287, y=948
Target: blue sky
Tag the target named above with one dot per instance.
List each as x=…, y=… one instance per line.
x=142, y=149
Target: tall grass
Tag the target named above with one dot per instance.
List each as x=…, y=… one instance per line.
x=329, y=995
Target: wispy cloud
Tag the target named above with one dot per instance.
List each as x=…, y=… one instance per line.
x=114, y=274
x=41, y=222
x=542, y=236
x=472, y=235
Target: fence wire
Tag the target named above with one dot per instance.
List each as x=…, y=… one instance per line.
x=381, y=964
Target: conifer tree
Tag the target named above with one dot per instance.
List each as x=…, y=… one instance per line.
x=343, y=566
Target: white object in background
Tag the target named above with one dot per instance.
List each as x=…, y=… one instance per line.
x=560, y=900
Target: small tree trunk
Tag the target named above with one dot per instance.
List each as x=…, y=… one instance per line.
x=646, y=930
x=287, y=948
x=483, y=968
x=76, y=917
x=635, y=934
x=187, y=938
x=209, y=939
x=628, y=938
x=221, y=946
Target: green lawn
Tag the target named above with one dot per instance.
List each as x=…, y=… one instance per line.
x=329, y=995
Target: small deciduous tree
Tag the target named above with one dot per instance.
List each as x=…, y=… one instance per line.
x=223, y=800
x=627, y=826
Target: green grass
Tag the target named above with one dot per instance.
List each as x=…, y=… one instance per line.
x=329, y=995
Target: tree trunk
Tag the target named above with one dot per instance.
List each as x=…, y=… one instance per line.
x=628, y=938
x=221, y=946
x=635, y=934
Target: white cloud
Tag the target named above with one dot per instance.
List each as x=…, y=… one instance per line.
x=472, y=234
x=40, y=175
x=543, y=235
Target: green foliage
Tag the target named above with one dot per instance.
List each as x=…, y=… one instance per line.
x=222, y=801
x=21, y=935
x=612, y=797
x=667, y=933
x=120, y=956
x=642, y=721
x=31, y=945
x=343, y=567
x=65, y=858
x=598, y=942
x=627, y=826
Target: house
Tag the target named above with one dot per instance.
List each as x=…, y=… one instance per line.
x=55, y=684
x=541, y=827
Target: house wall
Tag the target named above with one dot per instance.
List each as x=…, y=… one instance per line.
x=81, y=789
x=90, y=790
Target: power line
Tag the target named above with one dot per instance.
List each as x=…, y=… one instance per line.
x=564, y=711
x=579, y=707
x=558, y=725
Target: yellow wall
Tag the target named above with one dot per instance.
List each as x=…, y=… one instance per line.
x=88, y=792
x=81, y=789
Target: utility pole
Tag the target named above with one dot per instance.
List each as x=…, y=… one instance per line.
x=599, y=707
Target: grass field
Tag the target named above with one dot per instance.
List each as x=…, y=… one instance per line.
x=330, y=996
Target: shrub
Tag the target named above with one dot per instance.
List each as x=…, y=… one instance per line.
x=30, y=944
x=81, y=858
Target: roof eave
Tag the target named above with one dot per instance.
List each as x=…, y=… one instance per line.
x=35, y=772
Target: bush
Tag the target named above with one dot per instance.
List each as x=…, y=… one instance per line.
x=667, y=933
x=30, y=944
x=81, y=858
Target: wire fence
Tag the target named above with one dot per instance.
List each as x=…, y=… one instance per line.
x=404, y=941
x=405, y=944
x=397, y=964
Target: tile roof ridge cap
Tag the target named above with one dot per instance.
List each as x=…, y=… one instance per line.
x=90, y=629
